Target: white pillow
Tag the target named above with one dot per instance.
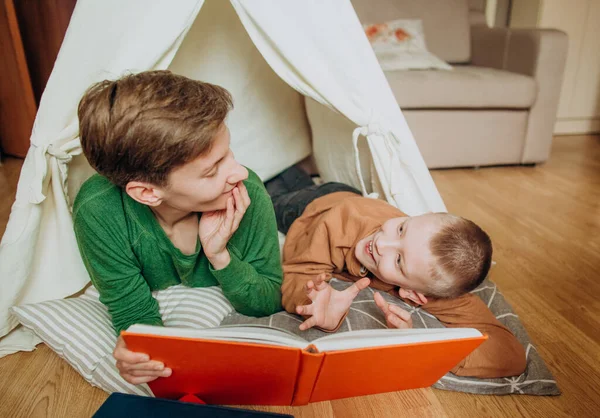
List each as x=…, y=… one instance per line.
x=80, y=331
x=400, y=45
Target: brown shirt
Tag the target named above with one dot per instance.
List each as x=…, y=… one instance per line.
x=323, y=240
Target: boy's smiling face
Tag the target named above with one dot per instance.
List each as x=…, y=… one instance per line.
x=399, y=254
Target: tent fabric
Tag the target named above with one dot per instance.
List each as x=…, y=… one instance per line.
x=218, y=40
x=317, y=48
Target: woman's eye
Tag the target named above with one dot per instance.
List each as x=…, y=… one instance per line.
x=400, y=229
x=214, y=173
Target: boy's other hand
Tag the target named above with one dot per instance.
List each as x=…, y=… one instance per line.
x=137, y=368
x=216, y=228
x=395, y=316
x=328, y=305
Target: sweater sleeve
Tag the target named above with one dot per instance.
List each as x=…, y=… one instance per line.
x=306, y=255
x=113, y=268
x=500, y=356
x=252, y=279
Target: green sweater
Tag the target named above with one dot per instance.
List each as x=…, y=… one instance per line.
x=128, y=255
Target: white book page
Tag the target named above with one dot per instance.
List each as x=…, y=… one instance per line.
x=257, y=334
x=386, y=337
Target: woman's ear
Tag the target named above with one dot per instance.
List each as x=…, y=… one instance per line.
x=144, y=193
x=416, y=297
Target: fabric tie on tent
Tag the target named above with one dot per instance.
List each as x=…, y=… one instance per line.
x=368, y=131
x=46, y=154
x=397, y=174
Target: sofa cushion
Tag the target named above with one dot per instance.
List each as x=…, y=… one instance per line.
x=400, y=45
x=465, y=87
x=445, y=22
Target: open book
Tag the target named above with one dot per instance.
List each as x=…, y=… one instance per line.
x=258, y=365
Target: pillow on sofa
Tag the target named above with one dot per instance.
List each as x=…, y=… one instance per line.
x=400, y=45
x=364, y=314
x=80, y=331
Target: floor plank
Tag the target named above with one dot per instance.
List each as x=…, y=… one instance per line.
x=41, y=384
x=545, y=225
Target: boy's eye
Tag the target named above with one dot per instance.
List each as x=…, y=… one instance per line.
x=400, y=229
x=399, y=259
x=211, y=174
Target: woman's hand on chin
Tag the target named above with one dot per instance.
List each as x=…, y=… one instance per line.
x=217, y=227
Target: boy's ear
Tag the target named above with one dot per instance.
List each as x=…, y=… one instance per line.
x=144, y=193
x=416, y=297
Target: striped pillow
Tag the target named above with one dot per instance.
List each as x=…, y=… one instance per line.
x=80, y=331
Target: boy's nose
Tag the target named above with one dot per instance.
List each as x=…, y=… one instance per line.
x=386, y=244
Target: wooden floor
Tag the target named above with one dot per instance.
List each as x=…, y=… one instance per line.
x=545, y=225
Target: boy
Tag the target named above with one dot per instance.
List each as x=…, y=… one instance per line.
x=170, y=205
x=431, y=260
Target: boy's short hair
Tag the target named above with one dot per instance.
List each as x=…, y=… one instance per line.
x=462, y=254
x=142, y=126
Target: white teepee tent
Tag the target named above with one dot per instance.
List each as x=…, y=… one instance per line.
x=271, y=55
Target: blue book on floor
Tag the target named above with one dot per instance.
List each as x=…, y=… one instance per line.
x=119, y=405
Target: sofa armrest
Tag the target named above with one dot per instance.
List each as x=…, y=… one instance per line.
x=539, y=53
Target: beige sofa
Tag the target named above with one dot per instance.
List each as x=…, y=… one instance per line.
x=498, y=105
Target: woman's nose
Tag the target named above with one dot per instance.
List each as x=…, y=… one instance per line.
x=238, y=174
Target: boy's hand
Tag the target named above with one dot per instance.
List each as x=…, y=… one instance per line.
x=395, y=316
x=137, y=368
x=328, y=305
x=216, y=227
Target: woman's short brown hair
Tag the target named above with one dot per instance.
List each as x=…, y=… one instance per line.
x=462, y=254
x=142, y=126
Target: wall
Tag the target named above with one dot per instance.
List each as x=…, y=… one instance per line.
x=579, y=107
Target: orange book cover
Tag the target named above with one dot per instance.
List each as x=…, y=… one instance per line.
x=258, y=373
